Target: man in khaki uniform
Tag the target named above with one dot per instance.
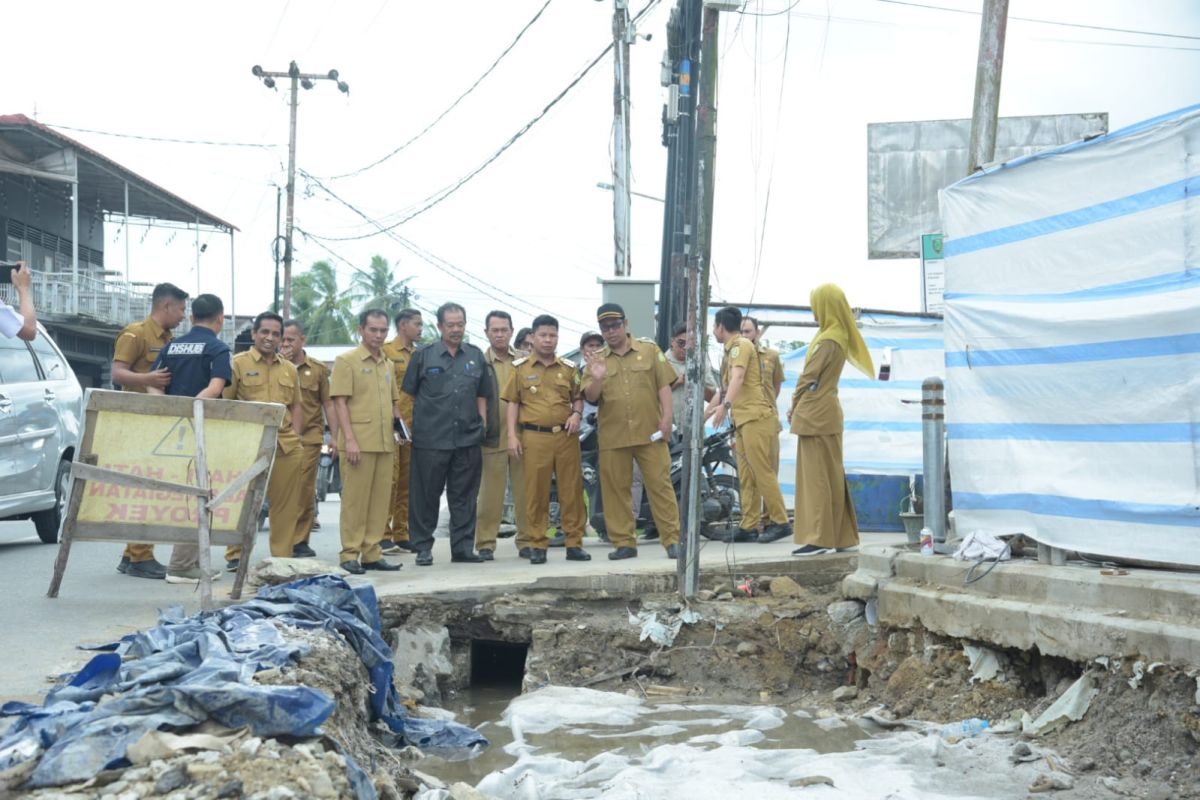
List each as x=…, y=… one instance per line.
x=772, y=380
x=544, y=409
x=317, y=411
x=260, y=375
x=499, y=464
x=137, y=348
x=757, y=424
x=631, y=381
x=367, y=400
x=400, y=351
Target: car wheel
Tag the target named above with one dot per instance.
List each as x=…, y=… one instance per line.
x=49, y=521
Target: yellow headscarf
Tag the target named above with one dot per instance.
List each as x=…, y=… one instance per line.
x=837, y=324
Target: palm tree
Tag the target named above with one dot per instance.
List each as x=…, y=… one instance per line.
x=320, y=305
x=377, y=287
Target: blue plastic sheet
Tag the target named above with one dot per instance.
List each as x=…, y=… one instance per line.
x=191, y=669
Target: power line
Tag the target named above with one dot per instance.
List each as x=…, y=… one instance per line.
x=159, y=138
x=744, y=12
x=1045, y=21
x=457, y=100
x=348, y=263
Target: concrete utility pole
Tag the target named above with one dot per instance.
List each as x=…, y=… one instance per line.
x=305, y=80
x=986, y=111
x=623, y=34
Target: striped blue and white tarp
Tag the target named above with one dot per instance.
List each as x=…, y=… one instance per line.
x=1073, y=344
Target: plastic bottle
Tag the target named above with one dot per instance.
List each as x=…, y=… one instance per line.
x=965, y=729
x=926, y=542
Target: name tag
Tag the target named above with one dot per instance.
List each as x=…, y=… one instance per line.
x=434, y=371
x=252, y=374
x=367, y=370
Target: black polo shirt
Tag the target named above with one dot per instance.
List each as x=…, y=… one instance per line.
x=194, y=360
x=444, y=389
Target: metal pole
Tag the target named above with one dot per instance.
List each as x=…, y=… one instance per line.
x=232, y=289
x=286, y=309
x=128, y=290
x=986, y=111
x=197, y=255
x=275, y=243
x=622, y=261
x=203, y=512
x=75, y=236
x=933, y=453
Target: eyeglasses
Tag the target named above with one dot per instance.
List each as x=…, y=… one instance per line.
x=680, y=342
x=611, y=326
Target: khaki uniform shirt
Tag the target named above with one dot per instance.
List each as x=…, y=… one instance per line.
x=772, y=371
x=138, y=345
x=504, y=371
x=369, y=386
x=314, y=392
x=815, y=407
x=629, y=408
x=261, y=381
x=680, y=393
x=751, y=402
x=401, y=356
x=547, y=394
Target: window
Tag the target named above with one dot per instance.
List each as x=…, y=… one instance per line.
x=53, y=364
x=16, y=362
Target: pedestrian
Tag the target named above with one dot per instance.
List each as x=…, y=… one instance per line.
x=137, y=347
x=367, y=400
x=772, y=381
x=544, y=410
x=523, y=342
x=825, y=518
x=400, y=350
x=260, y=375
x=682, y=341
x=20, y=322
x=630, y=380
x=755, y=421
x=199, y=364
x=500, y=467
x=451, y=386
x=317, y=413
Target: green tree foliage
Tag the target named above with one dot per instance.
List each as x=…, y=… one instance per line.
x=377, y=287
x=326, y=312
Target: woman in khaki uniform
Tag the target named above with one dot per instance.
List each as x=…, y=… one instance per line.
x=825, y=519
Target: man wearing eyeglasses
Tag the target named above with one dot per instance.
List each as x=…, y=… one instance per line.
x=677, y=358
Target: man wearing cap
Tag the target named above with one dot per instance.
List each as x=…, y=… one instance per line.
x=756, y=421
x=544, y=409
x=630, y=380
x=772, y=380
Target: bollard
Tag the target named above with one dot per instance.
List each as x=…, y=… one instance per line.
x=933, y=448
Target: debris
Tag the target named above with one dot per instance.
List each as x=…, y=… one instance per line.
x=705, y=594
x=1022, y=753
x=1070, y=707
x=162, y=744
x=811, y=780
x=984, y=663
x=787, y=587
x=982, y=546
x=172, y=779
x=845, y=611
x=1139, y=669
x=654, y=630
x=1052, y=781
x=844, y=693
x=748, y=649
x=273, y=571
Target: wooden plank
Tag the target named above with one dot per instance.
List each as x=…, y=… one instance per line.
x=257, y=467
x=150, y=534
x=248, y=524
x=202, y=505
x=68, y=526
x=270, y=414
x=102, y=475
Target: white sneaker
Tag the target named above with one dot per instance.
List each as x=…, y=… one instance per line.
x=191, y=576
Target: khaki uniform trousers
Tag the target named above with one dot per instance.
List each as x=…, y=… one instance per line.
x=396, y=527
x=553, y=456
x=365, y=498
x=308, y=491
x=756, y=499
x=757, y=449
x=616, y=481
x=498, y=465
x=283, y=492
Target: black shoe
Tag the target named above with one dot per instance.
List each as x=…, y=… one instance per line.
x=506, y=532
x=538, y=556
x=232, y=564
x=470, y=557
x=487, y=555
x=713, y=534
x=302, y=550
x=381, y=565
x=353, y=567
x=123, y=565
x=407, y=545
x=388, y=547
x=650, y=534
x=622, y=552
x=743, y=535
x=525, y=552
x=559, y=540
x=578, y=554
x=811, y=550
x=146, y=569
x=774, y=532
x=424, y=558
x=673, y=551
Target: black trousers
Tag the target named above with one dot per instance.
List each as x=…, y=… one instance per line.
x=457, y=472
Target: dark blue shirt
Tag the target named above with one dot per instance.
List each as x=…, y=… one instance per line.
x=444, y=388
x=194, y=360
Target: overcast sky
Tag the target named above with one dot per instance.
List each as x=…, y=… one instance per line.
x=797, y=90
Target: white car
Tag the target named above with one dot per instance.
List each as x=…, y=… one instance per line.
x=41, y=412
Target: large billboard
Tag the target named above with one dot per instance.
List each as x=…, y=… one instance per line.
x=908, y=163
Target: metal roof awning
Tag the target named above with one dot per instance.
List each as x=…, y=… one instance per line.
x=30, y=148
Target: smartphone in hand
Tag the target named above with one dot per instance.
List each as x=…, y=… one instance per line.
x=6, y=270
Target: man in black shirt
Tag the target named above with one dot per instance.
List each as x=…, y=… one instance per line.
x=450, y=383
x=200, y=366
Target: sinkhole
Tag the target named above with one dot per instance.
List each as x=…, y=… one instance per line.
x=495, y=663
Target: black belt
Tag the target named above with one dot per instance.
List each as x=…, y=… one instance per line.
x=543, y=429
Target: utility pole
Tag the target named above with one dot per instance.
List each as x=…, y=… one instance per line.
x=986, y=111
x=299, y=79
x=275, y=245
x=623, y=33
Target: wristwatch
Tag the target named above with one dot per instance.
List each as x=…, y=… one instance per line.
x=728, y=405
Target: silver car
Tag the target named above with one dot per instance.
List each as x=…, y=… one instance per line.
x=41, y=410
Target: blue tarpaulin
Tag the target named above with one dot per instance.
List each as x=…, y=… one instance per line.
x=191, y=669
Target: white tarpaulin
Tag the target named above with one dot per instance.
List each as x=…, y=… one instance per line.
x=1073, y=344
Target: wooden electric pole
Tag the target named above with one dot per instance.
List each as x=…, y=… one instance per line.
x=986, y=111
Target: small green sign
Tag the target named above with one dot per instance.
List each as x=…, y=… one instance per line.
x=931, y=247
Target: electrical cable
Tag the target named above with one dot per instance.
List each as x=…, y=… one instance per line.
x=159, y=138
x=746, y=13
x=454, y=104
x=344, y=260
